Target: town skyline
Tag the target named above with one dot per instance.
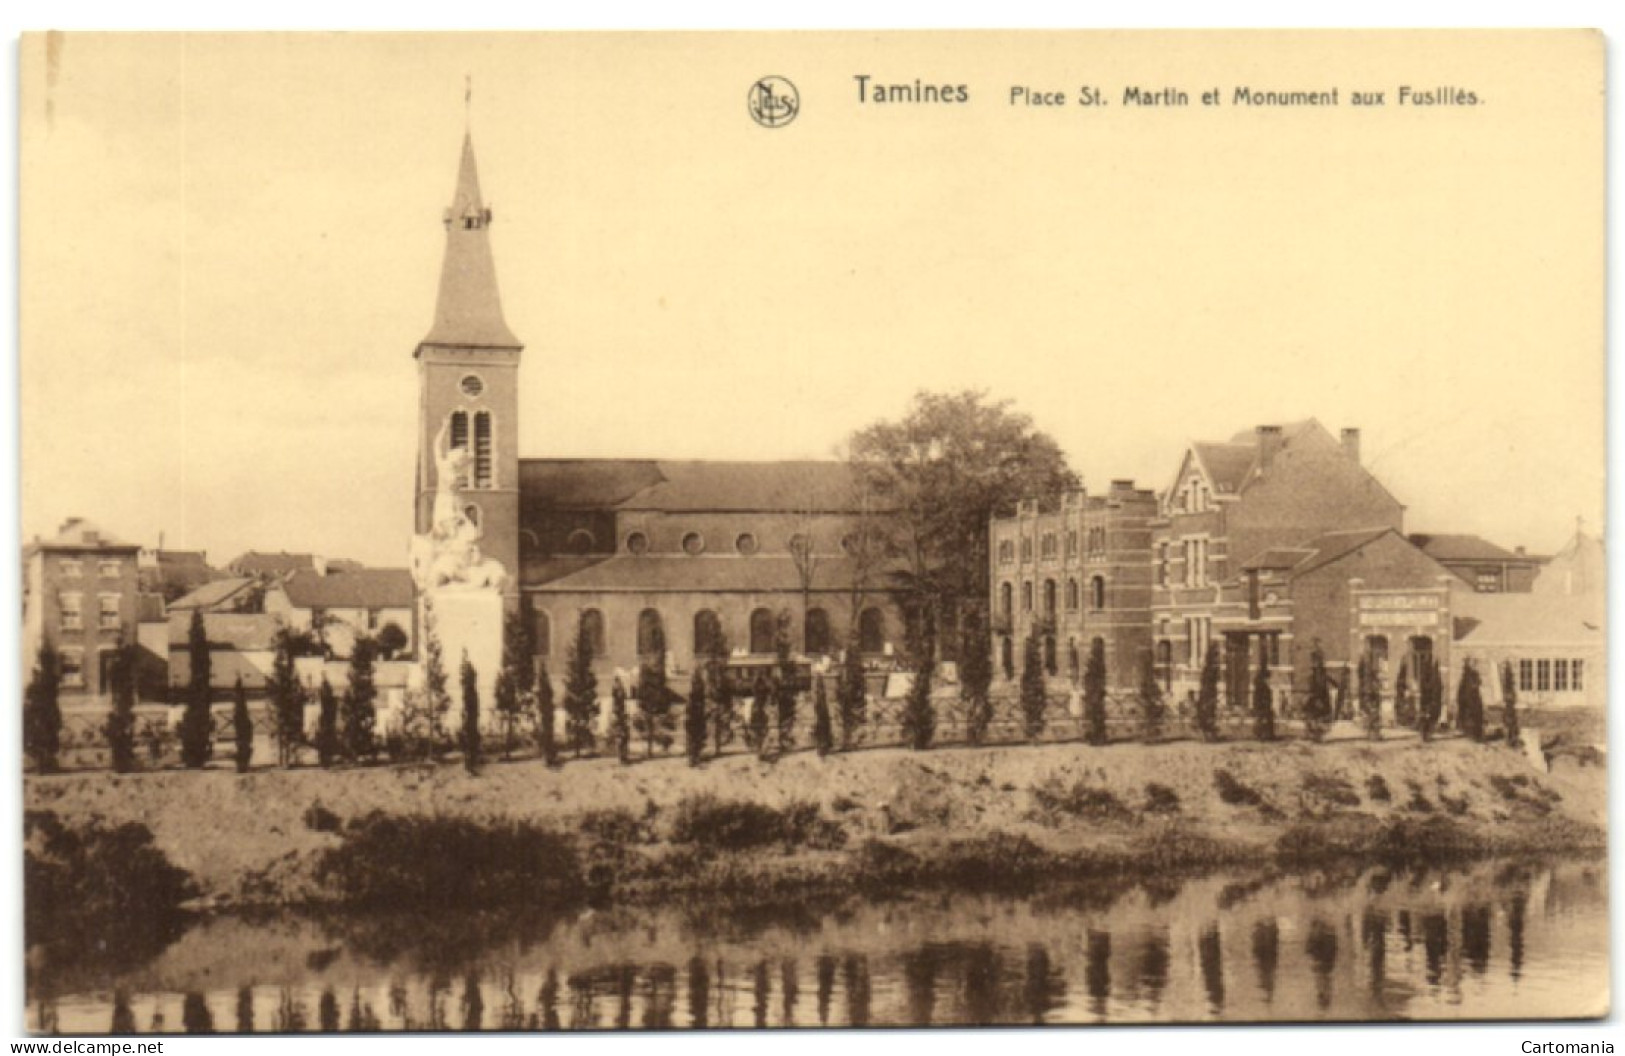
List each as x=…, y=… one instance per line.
x=251, y=355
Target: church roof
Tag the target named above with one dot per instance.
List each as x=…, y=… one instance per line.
x=683, y=573
x=468, y=312
x=687, y=486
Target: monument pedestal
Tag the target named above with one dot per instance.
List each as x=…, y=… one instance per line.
x=469, y=622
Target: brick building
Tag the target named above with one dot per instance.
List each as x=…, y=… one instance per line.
x=81, y=592
x=628, y=545
x=1479, y=563
x=1072, y=574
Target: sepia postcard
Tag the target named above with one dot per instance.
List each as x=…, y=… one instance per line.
x=628, y=531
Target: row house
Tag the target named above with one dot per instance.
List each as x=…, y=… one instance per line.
x=81, y=593
x=1074, y=574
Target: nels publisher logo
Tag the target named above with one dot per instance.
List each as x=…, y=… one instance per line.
x=774, y=102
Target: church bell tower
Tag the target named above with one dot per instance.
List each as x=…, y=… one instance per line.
x=468, y=381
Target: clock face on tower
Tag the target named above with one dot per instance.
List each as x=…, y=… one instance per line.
x=472, y=386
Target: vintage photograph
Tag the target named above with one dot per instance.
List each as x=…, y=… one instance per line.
x=663, y=531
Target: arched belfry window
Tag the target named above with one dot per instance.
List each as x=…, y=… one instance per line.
x=484, y=462
x=459, y=438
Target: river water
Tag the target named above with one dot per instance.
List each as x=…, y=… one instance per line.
x=1489, y=940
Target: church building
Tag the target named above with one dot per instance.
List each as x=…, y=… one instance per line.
x=635, y=550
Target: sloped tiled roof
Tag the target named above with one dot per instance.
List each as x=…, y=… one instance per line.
x=680, y=572
x=694, y=485
x=77, y=533
x=1313, y=553
x=1451, y=547
x=1525, y=619
x=255, y=563
x=243, y=631
x=367, y=588
x=1227, y=465
x=212, y=595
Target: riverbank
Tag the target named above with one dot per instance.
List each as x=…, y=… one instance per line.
x=885, y=816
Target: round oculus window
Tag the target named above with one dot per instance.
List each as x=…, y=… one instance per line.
x=472, y=386
x=637, y=543
x=746, y=543
x=694, y=543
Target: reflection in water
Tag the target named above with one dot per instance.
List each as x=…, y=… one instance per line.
x=1098, y=952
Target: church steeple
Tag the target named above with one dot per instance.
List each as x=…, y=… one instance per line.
x=468, y=313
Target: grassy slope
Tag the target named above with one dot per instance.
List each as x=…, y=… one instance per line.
x=245, y=837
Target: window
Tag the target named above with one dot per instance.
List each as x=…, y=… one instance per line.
x=872, y=631
x=1026, y=549
x=110, y=569
x=592, y=628
x=1072, y=599
x=581, y=542
x=1007, y=551
x=107, y=612
x=1376, y=646
x=73, y=667
x=1005, y=600
x=1027, y=596
x=1560, y=676
x=707, y=633
x=651, y=634
x=71, y=567
x=1097, y=593
x=746, y=544
x=459, y=438
x=637, y=543
x=1543, y=676
x=761, y=631
x=541, y=633
x=1576, y=683
x=1072, y=543
x=1487, y=581
x=1526, y=676
x=1046, y=546
x=693, y=543
x=73, y=615
x=484, y=471
x=1049, y=598
x=472, y=386
x=1195, y=562
x=815, y=635
x=1198, y=639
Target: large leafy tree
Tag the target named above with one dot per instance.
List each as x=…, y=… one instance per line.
x=954, y=460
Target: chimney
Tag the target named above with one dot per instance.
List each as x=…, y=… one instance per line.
x=1520, y=551
x=1351, y=444
x=1269, y=442
x=320, y=564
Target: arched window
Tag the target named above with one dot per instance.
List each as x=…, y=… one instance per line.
x=459, y=438
x=815, y=635
x=1097, y=593
x=581, y=542
x=651, y=634
x=707, y=633
x=541, y=633
x=872, y=631
x=484, y=462
x=1072, y=595
x=1049, y=597
x=761, y=631
x=1027, y=596
x=1006, y=600
x=529, y=541
x=592, y=628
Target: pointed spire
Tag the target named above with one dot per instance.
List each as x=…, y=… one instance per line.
x=469, y=311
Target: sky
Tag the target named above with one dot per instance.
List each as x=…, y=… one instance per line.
x=230, y=247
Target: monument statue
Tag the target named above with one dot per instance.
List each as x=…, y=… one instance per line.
x=448, y=557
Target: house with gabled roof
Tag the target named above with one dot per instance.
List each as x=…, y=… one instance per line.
x=1481, y=564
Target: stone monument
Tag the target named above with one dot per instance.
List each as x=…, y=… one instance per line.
x=463, y=586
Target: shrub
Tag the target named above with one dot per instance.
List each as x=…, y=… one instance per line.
x=715, y=824
x=1054, y=799
x=1418, y=802
x=919, y=712
x=1207, y=697
x=1094, y=692
x=975, y=676
x=1377, y=789
x=1331, y=789
x=319, y=819
x=424, y=861
x=616, y=825
x=1160, y=799
x=1032, y=689
x=1235, y=793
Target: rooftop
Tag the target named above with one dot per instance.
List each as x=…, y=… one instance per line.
x=689, y=486
x=367, y=588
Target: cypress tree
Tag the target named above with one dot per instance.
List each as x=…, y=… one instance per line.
x=722, y=705
x=42, y=712
x=436, y=684
x=1094, y=692
x=509, y=709
x=694, y=730
x=620, y=730
x=287, y=700
x=546, y=743
x=471, y=714
x=242, y=726
x=654, y=697
x=1509, y=706
x=1341, y=710
x=1370, y=691
x=1153, y=712
x=823, y=733
x=919, y=714
x=1207, y=697
x=784, y=684
x=1032, y=689
x=975, y=676
x=1432, y=693
x=1263, y=700
x=1317, y=704
x=197, y=723
x=580, y=690
x=120, y=728
x=1404, y=706
x=852, y=696
x=327, y=724
x=360, y=709
x=1470, y=702
x=761, y=694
